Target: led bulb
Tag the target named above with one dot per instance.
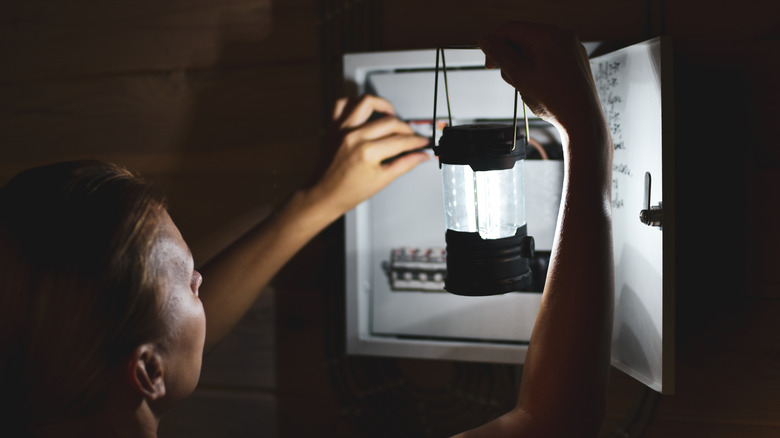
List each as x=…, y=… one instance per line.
x=500, y=206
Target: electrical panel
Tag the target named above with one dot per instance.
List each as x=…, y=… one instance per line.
x=395, y=249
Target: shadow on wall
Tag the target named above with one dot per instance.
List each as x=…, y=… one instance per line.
x=642, y=347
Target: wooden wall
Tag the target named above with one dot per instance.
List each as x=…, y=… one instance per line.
x=221, y=103
x=218, y=102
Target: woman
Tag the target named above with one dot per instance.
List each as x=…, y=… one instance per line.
x=103, y=317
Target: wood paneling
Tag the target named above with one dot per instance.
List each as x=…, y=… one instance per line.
x=413, y=25
x=162, y=122
x=50, y=39
x=215, y=132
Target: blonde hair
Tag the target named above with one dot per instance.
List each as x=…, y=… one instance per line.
x=78, y=291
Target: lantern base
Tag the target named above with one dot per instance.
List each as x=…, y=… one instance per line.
x=480, y=267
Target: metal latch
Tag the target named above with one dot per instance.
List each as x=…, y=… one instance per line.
x=651, y=216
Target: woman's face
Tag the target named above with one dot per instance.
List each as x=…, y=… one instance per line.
x=185, y=320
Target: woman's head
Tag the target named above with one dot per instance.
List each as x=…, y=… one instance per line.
x=83, y=283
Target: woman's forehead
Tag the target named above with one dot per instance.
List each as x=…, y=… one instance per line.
x=170, y=250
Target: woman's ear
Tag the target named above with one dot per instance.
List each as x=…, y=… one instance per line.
x=146, y=372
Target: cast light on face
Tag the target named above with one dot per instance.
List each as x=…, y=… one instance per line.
x=185, y=320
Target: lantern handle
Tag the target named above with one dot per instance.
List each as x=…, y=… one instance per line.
x=447, y=94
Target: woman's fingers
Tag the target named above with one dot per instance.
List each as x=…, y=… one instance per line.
x=378, y=151
x=354, y=113
x=511, y=59
x=377, y=129
x=403, y=164
x=370, y=153
x=339, y=107
x=548, y=66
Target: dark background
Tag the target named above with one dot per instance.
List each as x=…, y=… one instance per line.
x=223, y=104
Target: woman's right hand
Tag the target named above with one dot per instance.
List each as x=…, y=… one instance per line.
x=369, y=152
x=550, y=69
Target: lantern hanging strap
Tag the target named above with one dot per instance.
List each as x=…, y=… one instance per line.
x=447, y=95
x=435, y=98
x=525, y=118
x=514, y=125
x=446, y=87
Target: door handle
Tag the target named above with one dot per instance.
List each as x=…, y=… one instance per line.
x=651, y=215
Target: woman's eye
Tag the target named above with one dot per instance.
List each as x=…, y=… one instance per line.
x=197, y=279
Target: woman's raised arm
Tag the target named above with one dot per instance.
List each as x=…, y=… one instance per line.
x=563, y=387
x=233, y=279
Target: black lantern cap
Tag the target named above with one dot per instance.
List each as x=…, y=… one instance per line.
x=483, y=146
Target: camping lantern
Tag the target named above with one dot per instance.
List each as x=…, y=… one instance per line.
x=484, y=204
